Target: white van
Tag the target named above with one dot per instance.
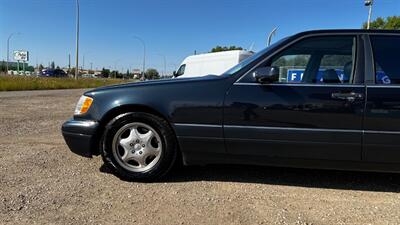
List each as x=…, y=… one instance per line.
x=210, y=63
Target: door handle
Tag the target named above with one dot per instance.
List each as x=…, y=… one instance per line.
x=350, y=96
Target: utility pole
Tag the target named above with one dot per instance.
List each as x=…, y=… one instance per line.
x=115, y=64
x=69, y=62
x=77, y=41
x=369, y=4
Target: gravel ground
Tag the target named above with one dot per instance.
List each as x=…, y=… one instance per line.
x=42, y=182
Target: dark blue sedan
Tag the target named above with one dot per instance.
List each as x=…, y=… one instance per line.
x=341, y=111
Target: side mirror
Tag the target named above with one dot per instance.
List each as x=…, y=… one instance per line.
x=266, y=75
x=174, y=73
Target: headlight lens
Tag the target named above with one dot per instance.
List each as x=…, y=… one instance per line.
x=83, y=105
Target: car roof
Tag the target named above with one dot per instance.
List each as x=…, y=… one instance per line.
x=349, y=31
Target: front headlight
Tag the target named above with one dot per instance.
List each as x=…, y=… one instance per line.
x=83, y=105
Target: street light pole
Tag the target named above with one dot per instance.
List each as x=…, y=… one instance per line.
x=77, y=41
x=144, y=53
x=165, y=64
x=116, y=63
x=270, y=36
x=369, y=3
x=8, y=48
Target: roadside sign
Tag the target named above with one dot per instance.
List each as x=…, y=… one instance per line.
x=21, y=55
x=296, y=75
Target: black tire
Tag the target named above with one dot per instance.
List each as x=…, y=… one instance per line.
x=168, y=139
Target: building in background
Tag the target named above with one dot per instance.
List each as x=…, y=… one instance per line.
x=136, y=73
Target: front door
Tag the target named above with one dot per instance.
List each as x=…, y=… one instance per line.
x=312, y=111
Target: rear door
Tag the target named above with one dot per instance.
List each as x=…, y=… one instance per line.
x=382, y=120
x=314, y=111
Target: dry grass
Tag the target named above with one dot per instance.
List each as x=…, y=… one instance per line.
x=19, y=83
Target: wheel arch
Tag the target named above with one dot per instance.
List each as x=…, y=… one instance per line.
x=111, y=114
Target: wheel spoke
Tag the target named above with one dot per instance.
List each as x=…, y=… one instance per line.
x=153, y=151
x=134, y=134
x=146, y=138
x=126, y=157
x=124, y=143
x=141, y=160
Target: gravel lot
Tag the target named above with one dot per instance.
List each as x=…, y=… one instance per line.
x=42, y=182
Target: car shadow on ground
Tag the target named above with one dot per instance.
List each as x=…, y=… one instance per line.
x=311, y=178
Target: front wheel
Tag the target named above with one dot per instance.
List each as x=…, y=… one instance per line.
x=139, y=146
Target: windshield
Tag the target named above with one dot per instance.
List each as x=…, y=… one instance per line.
x=251, y=58
x=181, y=70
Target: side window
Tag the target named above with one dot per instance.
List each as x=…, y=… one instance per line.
x=386, y=55
x=316, y=60
x=181, y=70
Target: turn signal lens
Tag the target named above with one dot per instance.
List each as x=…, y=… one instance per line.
x=83, y=105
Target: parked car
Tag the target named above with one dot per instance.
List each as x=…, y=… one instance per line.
x=210, y=63
x=253, y=114
x=53, y=73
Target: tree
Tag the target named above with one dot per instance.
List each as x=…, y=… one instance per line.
x=225, y=48
x=152, y=74
x=53, y=65
x=127, y=75
x=388, y=23
x=105, y=73
x=30, y=68
x=41, y=67
x=3, y=67
x=114, y=74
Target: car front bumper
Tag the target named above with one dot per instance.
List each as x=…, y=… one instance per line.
x=80, y=136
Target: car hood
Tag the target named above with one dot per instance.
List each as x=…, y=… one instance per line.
x=159, y=82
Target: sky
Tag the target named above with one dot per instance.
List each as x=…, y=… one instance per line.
x=170, y=28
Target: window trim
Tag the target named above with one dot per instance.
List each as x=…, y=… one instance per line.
x=300, y=85
x=356, y=36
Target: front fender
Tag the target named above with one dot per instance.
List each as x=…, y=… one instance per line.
x=178, y=102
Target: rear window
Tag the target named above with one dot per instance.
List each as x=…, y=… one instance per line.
x=387, y=61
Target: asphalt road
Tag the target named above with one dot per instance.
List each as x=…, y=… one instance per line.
x=42, y=182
